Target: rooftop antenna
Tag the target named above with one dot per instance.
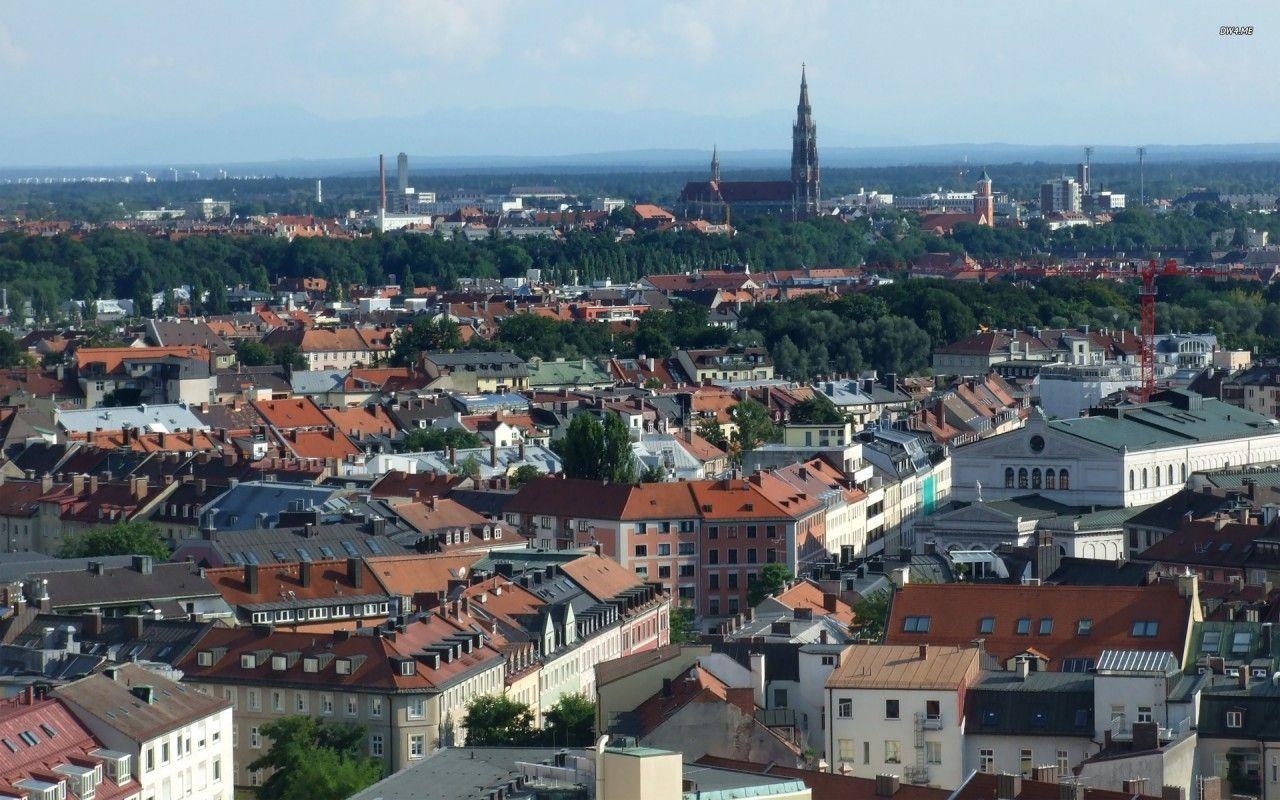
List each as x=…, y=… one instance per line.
x=1142, y=186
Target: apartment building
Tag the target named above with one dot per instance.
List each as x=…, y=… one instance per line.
x=50, y=754
x=895, y=710
x=407, y=684
x=180, y=739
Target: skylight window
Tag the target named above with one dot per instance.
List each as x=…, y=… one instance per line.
x=916, y=624
x=1146, y=628
x=1241, y=643
x=1046, y=626
x=1024, y=626
x=1211, y=642
x=987, y=625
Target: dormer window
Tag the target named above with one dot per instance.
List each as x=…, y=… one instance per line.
x=1235, y=719
x=310, y=664
x=279, y=663
x=407, y=669
x=248, y=661
x=204, y=658
x=342, y=666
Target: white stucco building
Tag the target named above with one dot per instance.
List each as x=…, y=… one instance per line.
x=1119, y=457
x=179, y=738
x=899, y=710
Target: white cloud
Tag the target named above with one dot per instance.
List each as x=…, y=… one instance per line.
x=11, y=53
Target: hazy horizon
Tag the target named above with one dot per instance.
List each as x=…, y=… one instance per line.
x=106, y=84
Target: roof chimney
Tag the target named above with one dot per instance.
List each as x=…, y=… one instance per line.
x=251, y=578
x=304, y=573
x=355, y=572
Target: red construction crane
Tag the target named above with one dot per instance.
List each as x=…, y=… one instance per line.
x=1148, y=297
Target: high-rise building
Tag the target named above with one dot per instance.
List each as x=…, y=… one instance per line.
x=805, y=175
x=402, y=182
x=1061, y=195
x=1082, y=176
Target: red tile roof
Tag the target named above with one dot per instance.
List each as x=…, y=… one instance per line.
x=602, y=578
x=296, y=412
x=956, y=612
x=328, y=579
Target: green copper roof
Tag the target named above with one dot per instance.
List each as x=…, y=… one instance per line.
x=1177, y=418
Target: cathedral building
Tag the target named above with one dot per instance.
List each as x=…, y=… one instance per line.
x=718, y=200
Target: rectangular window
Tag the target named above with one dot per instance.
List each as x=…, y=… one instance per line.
x=713, y=556
x=685, y=548
x=217, y=769
x=933, y=752
x=733, y=555
x=1064, y=762
x=375, y=745
x=1084, y=627
x=987, y=625
x=375, y=707
x=326, y=704
x=987, y=760
x=1235, y=719
x=713, y=581
x=277, y=702
x=642, y=551
x=845, y=708
x=255, y=738
x=733, y=580
x=1023, y=626
x=417, y=707
x=891, y=709
x=352, y=706
x=933, y=709
x=1144, y=714
x=917, y=624
x=892, y=751
x=847, y=749
x=417, y=745
x=300, y=702
x=1046, y=626
x=664, y=549
x=1146, y=628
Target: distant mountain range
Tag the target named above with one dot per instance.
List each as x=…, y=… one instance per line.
x=264, y=142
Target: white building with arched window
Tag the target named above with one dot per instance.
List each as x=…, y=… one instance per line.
x=1117, y=457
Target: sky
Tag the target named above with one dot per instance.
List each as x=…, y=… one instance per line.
x=109, y=82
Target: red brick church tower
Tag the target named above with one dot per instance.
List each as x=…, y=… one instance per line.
x=984, y=202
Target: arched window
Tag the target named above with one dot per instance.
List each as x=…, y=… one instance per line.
x=1050, y=479
x=1157, y=476
x=1170, y=474
x=1131, y=487
x=1008, y=478
x=1184, y=473
x=1064, y=480
x=1022, y=478
x=1035, y=478
x=1144, y=478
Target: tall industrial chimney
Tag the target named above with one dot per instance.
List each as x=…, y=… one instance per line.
x=319, y=191
x=382, y=182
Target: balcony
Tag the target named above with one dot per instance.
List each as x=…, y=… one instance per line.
x=917, y=775
x=933, y=722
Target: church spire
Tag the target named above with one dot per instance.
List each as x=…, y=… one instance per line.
x=805, y=178
x=715, y=164
x=803, y=105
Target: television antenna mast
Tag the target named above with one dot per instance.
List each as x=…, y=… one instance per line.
x=1142, y=185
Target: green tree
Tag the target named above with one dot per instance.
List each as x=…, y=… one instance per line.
x=425, y=336
x=428, y=439
x=755, y=426
x=617, y=461
x=682, y=628
x=254, y=354
x=816, y=410
x=710, y=430
x=523, y=474
x=290, y=356
x=596, y=450
x=871, y=615
x=313, y=761
x=570, y=722
x=10, y=354
x=498, y=721
x=772, y=578
x=654, y=473
x=121, y=539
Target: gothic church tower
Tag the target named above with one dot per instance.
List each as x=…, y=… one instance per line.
x=805, y=179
